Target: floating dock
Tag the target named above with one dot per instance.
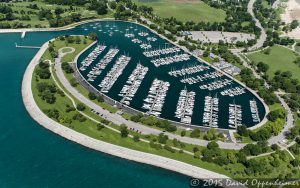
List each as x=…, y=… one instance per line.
x=34, y=47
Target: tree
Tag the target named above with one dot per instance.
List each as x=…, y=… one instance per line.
x=242, y=130
x=80, y=107
x=195, y=133
x=137, y=117
x=92, y=96
x=294, y=24
x=100, y=98
x=211, y=134
x=162, y=138
x=212, y=145
x=183, y=133
x=123, y=130
x=93, y=36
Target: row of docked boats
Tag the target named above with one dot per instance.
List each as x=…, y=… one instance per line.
x=188, y=70
x=211, y=109
x=129, y=35
x=254, y=111
x=136, y=41
x=156, y=97
x=171, y=59
x=145, y=46
x=185, y=106
x=233, y=91
x=143, y=34
x=91, y=57
x=151, y=39
x=97, y=69
x=200, y=78
x=216, y=84
x=235, y=116
x=133, y=83
x=163, y=51
x=114, y=73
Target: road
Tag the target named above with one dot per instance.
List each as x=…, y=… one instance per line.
x=288, y=125
x=263, y=36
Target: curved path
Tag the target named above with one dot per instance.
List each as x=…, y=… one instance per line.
x=263, y=36
x=98, y=145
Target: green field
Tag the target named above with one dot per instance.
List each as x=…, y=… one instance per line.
x=279, y=58
x=17, y=7
x=185, y=10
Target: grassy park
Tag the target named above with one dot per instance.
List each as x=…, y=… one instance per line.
x=63, y=111
x=24, y=8
x=185, y=10
x=279, y=58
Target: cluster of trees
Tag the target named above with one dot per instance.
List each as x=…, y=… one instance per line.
x=251, y=167
x=43, y=70
x=153, y=121
x=274, y=38
x=285, y=81
x=67, y=67
x=265, y=132
x=47, y=92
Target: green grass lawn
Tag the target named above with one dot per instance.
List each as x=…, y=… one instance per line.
x=62, y=43
x=23, y=5
x=185, y=10
x=279, y=58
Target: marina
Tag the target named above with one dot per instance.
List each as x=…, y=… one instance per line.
x=235, y=116
x=185, y=106
x=133, y=83
x=211, y=109
x=114, y=73
x=254, y=111
x=91, y=57
x=156, y=97
x=97, y=69
x=188, y=70
x=155, y=77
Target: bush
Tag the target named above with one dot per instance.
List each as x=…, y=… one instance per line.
x=52, y=113
x=100, y=127
x=73, y=82
x=169, y=148
x=136, y=138
x=79, y=117
x=80, y=107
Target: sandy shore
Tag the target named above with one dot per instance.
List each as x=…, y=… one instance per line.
x=98, y=145
x=292, y=11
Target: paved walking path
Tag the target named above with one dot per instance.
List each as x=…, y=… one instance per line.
x=98, y=145
x=263, y=36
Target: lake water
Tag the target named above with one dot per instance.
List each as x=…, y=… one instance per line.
x=31, y=156
x=112, y=34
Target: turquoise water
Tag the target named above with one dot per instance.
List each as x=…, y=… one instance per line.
x=118, y=40
x=31, y=156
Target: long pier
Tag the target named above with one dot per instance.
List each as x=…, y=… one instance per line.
x=34, y=47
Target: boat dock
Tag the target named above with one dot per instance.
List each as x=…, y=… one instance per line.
x=23, y=34
x=34, y=47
